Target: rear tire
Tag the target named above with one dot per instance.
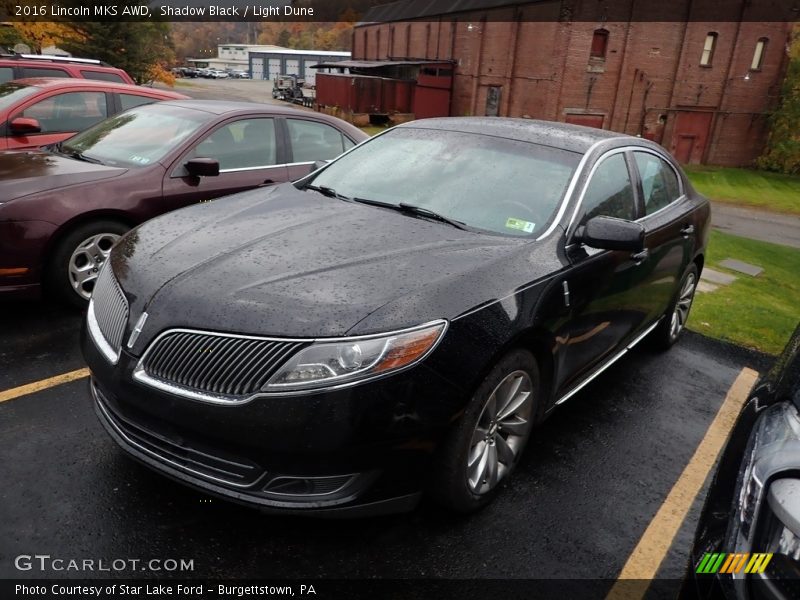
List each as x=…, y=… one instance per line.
x=485, y=445
x=77, y=258
x=673, y=323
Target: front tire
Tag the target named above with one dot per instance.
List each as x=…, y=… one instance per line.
x=485, y=446
x=673, y=324
x=77, y=259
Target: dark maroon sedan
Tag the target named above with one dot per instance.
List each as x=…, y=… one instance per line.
x=62, y=208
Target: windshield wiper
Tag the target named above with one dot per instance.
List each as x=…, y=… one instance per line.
x=418, y=211
x=78, y=156
x=426, y=212
x=326, y=191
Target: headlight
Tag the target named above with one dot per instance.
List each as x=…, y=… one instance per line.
x=326, y=364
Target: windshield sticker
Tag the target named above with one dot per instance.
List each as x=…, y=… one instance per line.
x=142, y=160
x=520, y=225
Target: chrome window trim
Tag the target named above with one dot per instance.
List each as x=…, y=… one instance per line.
x=241, y=169
x=97, y=336
x=141, y=376
x=617, y=150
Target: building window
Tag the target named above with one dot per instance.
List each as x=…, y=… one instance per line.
x=758, y=54
x=599, y=44
x=708, y=49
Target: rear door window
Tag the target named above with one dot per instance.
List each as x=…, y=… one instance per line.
x=659, y=183
x=312, y=141
x=6, y=74
x=43, y=72
x=102, y=76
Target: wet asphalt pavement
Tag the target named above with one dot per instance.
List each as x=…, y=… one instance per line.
x=590, y=482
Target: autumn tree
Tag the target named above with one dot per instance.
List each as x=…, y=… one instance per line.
x=782, y=152
x=35, y=33
x=40, y=34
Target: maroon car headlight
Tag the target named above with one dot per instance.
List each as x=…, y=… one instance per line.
x=350, y=360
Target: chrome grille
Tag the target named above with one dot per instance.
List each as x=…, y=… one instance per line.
x=110, y=308
x=218, y=364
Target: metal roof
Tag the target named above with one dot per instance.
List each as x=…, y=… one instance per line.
x=372, y=64
x=414, y=9
x=304, y=52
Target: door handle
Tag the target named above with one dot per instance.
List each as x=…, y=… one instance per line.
x=639, y=257
x=687, y=231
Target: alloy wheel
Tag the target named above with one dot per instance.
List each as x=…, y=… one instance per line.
x=501, y=432
x=682, y=306
x=86, y=260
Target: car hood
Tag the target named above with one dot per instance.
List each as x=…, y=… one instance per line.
x=30, y=172
x=293, y=263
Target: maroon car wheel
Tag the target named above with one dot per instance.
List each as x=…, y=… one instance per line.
x=77, y=259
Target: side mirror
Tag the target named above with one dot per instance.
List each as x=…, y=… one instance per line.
x=203, y=167
x=608, y=233
x=24, y=126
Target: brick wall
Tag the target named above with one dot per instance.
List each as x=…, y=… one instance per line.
x=651, y=72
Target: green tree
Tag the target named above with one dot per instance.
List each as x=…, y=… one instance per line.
x=782, y=152
x=283, y=38
x=143, y=49
x=9, y=36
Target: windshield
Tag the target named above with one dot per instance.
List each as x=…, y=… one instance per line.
x=485, y=182
x=11, y=93
x=138, y=137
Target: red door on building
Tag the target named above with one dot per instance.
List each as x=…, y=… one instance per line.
x=690, y=136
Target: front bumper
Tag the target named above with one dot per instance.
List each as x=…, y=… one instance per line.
x=22, y=253
x=358, y=451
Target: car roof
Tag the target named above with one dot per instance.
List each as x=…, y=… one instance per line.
x=75, y=82
x=575, y=138
x=221, y=107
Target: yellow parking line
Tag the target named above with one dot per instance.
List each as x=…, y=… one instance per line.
x=646, y=558
x=43, y=384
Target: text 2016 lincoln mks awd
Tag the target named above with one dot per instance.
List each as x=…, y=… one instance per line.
x=396, y=322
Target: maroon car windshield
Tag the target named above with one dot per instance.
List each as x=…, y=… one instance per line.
x=138, y=137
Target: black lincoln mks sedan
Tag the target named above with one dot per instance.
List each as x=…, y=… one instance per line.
x=397, y=321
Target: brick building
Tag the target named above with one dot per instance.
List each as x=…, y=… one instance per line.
x=674, y=73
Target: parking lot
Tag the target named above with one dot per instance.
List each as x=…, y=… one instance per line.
x=596, y=486
x=244, y=90
x=592, y=479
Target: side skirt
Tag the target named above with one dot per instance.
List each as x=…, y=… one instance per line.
x=607, y=364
